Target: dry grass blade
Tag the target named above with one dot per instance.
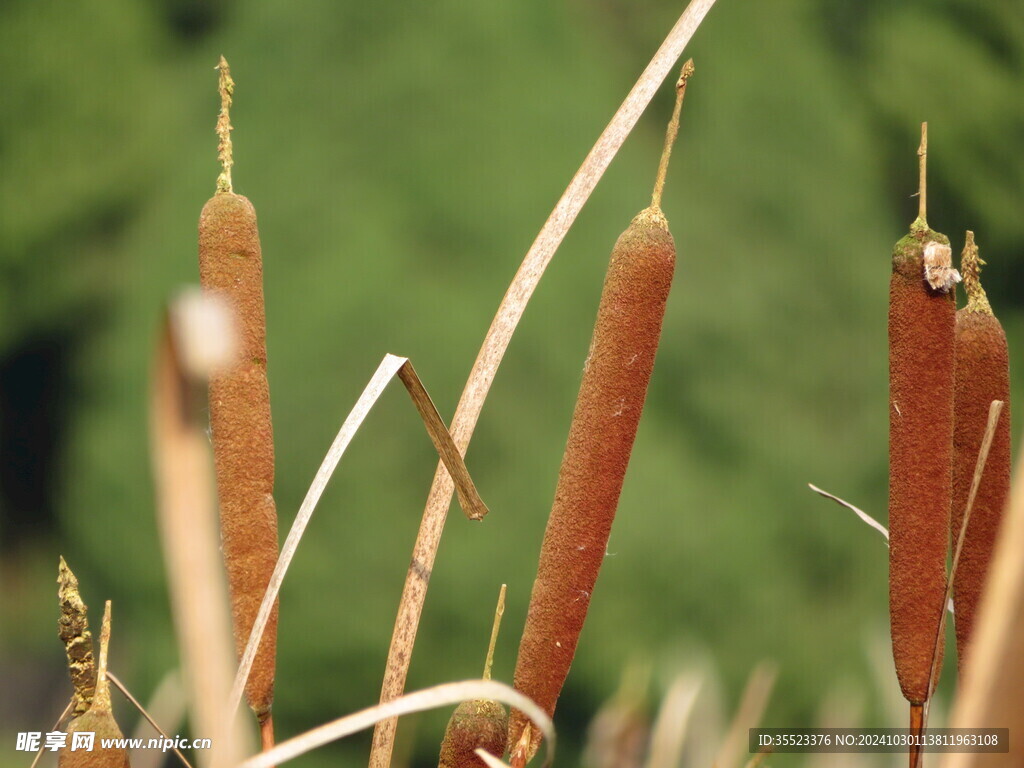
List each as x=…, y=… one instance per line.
x=430, y=698
x=142, y=710
x=995, y=409
x=451, y=458
x=748, y=714
x=867, y=519
x=860, y=513
x=511, y=309
x=186, y=510
x=669, y=733
x=56, y=725
x=994, y=676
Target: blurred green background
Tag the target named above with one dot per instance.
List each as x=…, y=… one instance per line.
x=402, y=158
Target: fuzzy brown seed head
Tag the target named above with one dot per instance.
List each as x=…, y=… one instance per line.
x=230, y=266
x=478, y=723
x=921, y=322
x=982, y=375
x=601, y=437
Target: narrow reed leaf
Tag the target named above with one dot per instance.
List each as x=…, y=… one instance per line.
x=495, y=343
x=860, y=513
x=443, y=695
x=451, y=458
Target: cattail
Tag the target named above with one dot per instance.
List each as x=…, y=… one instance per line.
x=230, y=265
x=98, y=720
x=73, y=630
x=480, y=722
x=921, y=319
x=982, y=375
x=604, y=424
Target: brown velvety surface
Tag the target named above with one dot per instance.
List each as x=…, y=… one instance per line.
x=982, y=375
x=230, y=264
x=478, y=723
x=604, y=426
x=100, y=722
x=920, y=461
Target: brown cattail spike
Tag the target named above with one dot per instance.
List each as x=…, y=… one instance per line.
x=480, y=723
x=73, y=630
x=226, y=87
x=604, y=424
x=921, y=322
x=231, y=267
x=982, y=375
x=98, y=720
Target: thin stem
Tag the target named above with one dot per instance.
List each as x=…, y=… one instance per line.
x=142, y=710
x=499, y=611
x=970, y=269
x=267, y=734
x=226, y=87
x=916, y=727
x=922, y=183
x=670, y=134
x=101, y=699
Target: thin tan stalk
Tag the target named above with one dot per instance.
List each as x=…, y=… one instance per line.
x=512, y=307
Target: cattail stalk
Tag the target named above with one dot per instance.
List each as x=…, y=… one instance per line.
x=921, y=321
x=982, y=375
x=230, y=265
x=604, y=425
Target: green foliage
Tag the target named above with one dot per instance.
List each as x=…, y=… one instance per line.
x=401, y=158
